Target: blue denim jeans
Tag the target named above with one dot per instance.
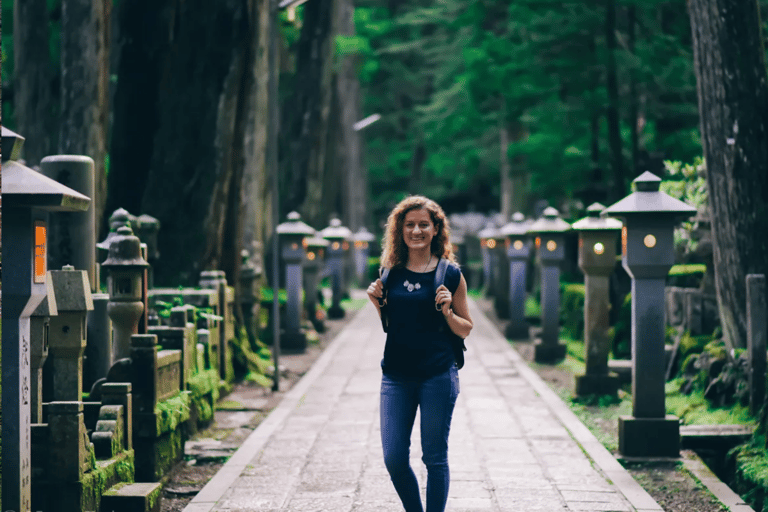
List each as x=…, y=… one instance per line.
x=436, y=397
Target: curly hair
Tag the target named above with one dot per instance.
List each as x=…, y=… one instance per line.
x=395, y=252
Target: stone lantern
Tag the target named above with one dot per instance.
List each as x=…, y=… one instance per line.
x=316, y=248
x=362, y=241
x=597, y=259
x=487, y=244
x=518, y=247
x=337, y=236
x=119, y=218
x=147, y=229
x=28, y=196
x=500, y=273
x=125, y=266
x=67, y=335
x=291, y=235
x=549, y=232
x=39, y=329
x=647, y=255
x=459, y=242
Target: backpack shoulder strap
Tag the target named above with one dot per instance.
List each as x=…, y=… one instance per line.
x=383, y=275
x=442, y=268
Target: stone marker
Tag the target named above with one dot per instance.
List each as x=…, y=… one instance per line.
x=362, y=242
x=597, y=259
x=39, y=328
x=125, y=266
x=647, y=255
x=28, y=196
x=518, y=247
x=757, y=330
x=291, y=234
x=75, y=232
x=549, y=231
x=98, y=348
x=337, y=236
x=67, y=335
x=314, y=261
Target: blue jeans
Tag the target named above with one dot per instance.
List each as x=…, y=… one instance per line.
x=436, y=397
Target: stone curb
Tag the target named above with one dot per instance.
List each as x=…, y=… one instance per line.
x=613, y=470
x=215, y=489
x=721, y=491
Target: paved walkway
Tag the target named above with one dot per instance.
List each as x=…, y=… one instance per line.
x=514, y=446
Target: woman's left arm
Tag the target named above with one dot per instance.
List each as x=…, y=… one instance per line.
x=455, y=308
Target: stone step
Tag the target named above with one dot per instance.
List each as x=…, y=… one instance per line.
x=695, y=437
x=137, y=497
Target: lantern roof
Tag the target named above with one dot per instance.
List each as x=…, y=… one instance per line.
x=518, y=226
x=336, y=230
x=593, y=221
x=25, y=187
x=363, y=235
x=648, y=199
x=12, y=144
x=550, y=222
x=125, y=250
x=489, y=231
x=316, y=241
x=294, y=226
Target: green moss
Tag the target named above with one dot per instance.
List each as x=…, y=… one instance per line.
x=532, y=307
x=106, y=476
x=204, y=391
x=353, y=304
x=694, y=409
x=692, y=268
x=170, y=413
x=572, y=310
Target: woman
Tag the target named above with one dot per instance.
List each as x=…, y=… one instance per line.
x=418, y=367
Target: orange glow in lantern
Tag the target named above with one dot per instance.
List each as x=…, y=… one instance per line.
x=551, y=245
x=491, y=244
x=345, y=246
x=624, y=240
x=335, y=245
x=40, y=252
x=518, y=245
x=538, y=242
x=310, y=256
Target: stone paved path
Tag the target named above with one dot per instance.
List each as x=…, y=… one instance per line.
x=514, y=446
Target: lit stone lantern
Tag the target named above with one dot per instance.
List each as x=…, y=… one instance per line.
x=67, y=334
x=500, y=273
x=28, y=196
x=291, y=235
x=647, y=255
x=487, y=244
x=337, y=236
x=549, y=232
x=459, y=242
x=314, y=261
x=597, y=259
x=125, y=266
x=518, y=246
x=362, y=241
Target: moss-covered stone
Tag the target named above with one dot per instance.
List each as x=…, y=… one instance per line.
x=572, y=310
x=204, y=393
x=170, y=413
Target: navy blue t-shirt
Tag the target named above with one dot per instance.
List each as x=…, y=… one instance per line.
x=416, y=345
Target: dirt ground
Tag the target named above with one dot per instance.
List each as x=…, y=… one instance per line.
x=674, y=488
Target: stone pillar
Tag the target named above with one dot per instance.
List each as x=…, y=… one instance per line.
x=74, y=233
x=518, y=252
x=757, y=330
x=487, y=254
x=67, y=335
x=314, y=261
x=39, y=328
x=144, y=355
x=98, y=349
x=647, y=255
x=68, y=454
x=292, y=234
x=501, y=276
x=597, y=259
x=125, y=265
x=550, y=253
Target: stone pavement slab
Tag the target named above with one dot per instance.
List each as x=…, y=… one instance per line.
x=514, y=446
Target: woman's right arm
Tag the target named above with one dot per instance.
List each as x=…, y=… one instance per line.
x=375, y=292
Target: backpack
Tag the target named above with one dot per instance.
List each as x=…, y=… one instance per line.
x=457, y=342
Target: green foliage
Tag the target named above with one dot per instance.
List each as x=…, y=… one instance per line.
x=622, y=340
x=686, y=183
x=257, y=361
x=695, y=409
x=572, y=310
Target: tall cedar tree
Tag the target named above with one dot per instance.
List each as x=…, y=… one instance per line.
x=729, y=58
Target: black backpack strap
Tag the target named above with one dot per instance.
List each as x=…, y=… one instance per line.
x=383, y=275
x=442, y=268
x=457, y=343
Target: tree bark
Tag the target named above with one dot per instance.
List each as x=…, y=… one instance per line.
x=32, y=97
x=633, y=99
x=314, y=184
x=184, y=111
x=729, y=60
x=85, y=29
x=612, y=85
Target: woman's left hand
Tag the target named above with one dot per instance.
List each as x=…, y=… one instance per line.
x=443, y=300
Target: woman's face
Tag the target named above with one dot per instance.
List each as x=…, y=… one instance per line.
x=418, y=229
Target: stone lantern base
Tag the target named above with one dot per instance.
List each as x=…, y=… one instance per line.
x=336, y=312
x=649, y=437
x=548, y=353
x=295, y=341
x=606, y=384
x=517, y=331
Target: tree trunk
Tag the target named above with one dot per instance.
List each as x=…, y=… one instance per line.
x=85, y=29
x=633, y=99
x=612, y=85
x=187, y=117
x=729, y=60
x=32, y=98
x=312, y=191
x=504, y=170
x=348, y=148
